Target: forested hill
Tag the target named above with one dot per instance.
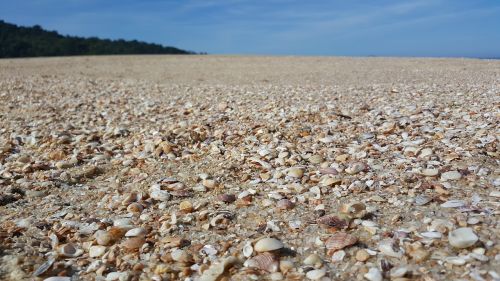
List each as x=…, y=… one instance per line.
x=17, y=41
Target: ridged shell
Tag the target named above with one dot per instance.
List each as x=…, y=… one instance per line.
x=265, y=261
x=339, y=241
x=44, y=267
x=332, y=221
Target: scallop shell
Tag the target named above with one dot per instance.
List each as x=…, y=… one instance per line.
x=333, y=221
x=339, y=241
x=264, y=261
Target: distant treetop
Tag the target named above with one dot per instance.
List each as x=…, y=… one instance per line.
x=17, y=41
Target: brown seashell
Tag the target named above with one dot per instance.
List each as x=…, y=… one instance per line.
x=333, y=221
x=285, y=204
x=339, y=241
x=354, y=210
x=134, y=243
x=227, y=198
x=328, y=171
x=135, y=208
x=264, y=261
x=181, y=193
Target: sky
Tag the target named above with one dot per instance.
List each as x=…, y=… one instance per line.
x=422, y=28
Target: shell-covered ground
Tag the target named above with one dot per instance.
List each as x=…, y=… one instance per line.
x=249, y=168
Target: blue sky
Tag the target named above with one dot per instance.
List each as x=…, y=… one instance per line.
x=279, y=27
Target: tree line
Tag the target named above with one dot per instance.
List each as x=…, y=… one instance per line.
x=18, y=41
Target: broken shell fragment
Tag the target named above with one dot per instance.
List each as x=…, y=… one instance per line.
x=462, y=237
x=354, y=210
x=388, y=248
x=333, y=221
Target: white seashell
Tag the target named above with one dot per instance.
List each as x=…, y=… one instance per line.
x=316, y=274
x=451, y=175
x=453, y=204
x=432, y=234
x=136, y=232
x=421, y=200
x=58, y=278
x=268, y=244
x=312, y=260
x=338, y=256
x=398, y=272
x=247, y=249
x=373, y=274
x=462, y=237
x=123, y=222
x=430, y=172
x=96, y=251
x=156, y=193
x=217, y=269
x=295, y=172
x=455, y=260
x=44, y=267
x=388, y=248
x=355, y=168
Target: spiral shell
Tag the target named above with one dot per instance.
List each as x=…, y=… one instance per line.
x=339, y=241
x=264, y=261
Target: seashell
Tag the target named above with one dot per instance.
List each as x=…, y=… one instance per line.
x=138, y=231
x=388, y=248
x=286, y=265
x=181, y=193
x=135, y=208
x=181, y=256
x=338, y=256
x=398, y=272
x=69, y=251
x=44, y=267
x=96, y=251
x=315, y=159
x=328, y=171
x=373, y=274
x=106, y=238
x=430, y=172
x=285, y=204
x=122, y=222
x=421, y=200
x=217, y=269
x=316, y=274
x=451, y=175
x=264, y=261
x=227, y=198
x=295, y=172
x=432, y=234
x=462, y=237
x=58, y=278
x=186, y=207
x=330, y=181
x=268, y=244
x=453, y=204
x=247, y=249
x=156, y=193
x=208, y=183
x=354, y=210
x=387, y=127
x=333, y=221
x=355, y=168
x=134, y=243
x=339, y=241
x=312, y=260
